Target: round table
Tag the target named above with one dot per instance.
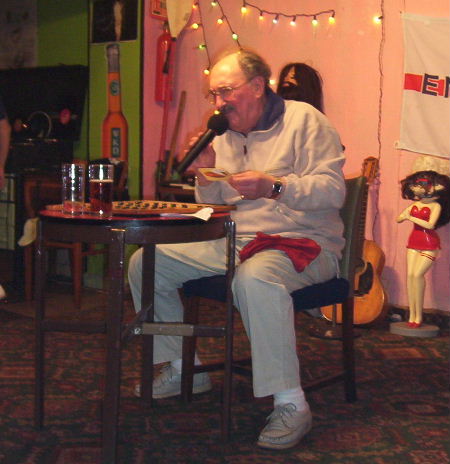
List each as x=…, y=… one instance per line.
x=116, y=232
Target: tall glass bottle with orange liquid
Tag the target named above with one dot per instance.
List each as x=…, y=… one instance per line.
x=115, y=126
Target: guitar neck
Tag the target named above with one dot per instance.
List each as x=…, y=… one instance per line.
x=362, y=222
x=369, y=171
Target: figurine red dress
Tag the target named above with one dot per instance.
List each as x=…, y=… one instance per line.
x=431, y=209
x=422, y=238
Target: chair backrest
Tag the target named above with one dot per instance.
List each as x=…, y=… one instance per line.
x=38, y=193
x=353, y=214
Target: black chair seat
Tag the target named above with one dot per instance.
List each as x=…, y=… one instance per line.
x=332, y=291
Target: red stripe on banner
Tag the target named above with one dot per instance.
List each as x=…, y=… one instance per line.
x=413, y=82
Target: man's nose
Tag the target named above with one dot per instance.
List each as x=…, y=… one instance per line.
x=219, y=101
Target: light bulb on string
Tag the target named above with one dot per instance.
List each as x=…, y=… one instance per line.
x=293, y=23
x=234, y=36
x=202, y=46
x=243, y=9
x=195, y=6
x=275, y=20
x=332, y=19
x=213, y=3
x=195, y=26
x=314, y=21
x=220, y=20
x=377, y=19
x=206, y=72
x=261, y=16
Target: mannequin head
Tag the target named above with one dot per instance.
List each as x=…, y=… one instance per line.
x=301, y=82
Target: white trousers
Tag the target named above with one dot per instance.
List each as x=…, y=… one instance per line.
x=261, y=289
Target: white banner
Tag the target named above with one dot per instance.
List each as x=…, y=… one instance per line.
x=425, y=124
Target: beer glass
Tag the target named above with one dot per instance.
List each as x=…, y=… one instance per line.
x=101, y=183
x=73, y=186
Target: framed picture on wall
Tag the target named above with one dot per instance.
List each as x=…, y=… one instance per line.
x=158, y=9
x=18, y=34
x=114, y=20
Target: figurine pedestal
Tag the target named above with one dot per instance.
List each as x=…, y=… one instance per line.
x=424, y=331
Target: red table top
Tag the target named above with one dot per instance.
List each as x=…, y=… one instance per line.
x=57, y=214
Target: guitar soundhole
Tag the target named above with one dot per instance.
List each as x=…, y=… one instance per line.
x=365, y=281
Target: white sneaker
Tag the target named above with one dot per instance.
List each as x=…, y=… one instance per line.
x=168, y=383
x=285, y=427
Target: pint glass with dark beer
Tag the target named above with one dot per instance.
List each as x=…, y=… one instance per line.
x=101, y=182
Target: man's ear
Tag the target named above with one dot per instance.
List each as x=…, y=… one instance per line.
x=259, y=86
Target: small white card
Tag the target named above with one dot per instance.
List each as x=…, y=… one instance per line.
x=213, y=174
x=204, y=214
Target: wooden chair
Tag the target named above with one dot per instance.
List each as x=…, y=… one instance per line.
x=339, y=290
x=41, y=192
x=38, y=194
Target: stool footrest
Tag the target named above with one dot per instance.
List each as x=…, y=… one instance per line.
x=180, y=329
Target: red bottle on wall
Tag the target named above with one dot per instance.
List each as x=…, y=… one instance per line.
x=115, y=126
x=163, y=64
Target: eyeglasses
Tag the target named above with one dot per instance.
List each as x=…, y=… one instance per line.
x=223, y=92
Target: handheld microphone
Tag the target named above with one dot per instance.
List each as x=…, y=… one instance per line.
x=217, y=125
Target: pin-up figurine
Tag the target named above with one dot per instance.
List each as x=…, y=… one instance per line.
x=430, y=192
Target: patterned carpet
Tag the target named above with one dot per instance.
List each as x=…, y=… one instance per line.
x=401, y=416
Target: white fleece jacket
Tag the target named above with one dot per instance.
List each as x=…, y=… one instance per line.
x=304, y=149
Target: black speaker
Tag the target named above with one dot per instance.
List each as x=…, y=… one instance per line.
x=38, y=155
x=45, y=102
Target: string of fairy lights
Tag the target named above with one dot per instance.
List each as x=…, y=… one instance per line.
x=262, y=14
x=275, y=15
x=248, y=8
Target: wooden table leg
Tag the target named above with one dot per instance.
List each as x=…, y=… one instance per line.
x=39, y=353
x=228, y=374
x=147, y=302
x=113, y=346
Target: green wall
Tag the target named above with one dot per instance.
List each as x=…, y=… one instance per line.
x=63, y=38
x=62, y=32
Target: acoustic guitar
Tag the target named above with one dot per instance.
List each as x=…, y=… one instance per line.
x=370, y=297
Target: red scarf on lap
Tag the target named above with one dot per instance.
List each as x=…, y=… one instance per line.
x=301, y=251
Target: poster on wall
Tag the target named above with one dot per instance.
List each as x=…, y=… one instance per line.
x=114, y=21
x=425, y=120
x=115, y=125
x=18, y=34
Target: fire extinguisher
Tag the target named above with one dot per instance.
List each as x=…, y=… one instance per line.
x=164, y=51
